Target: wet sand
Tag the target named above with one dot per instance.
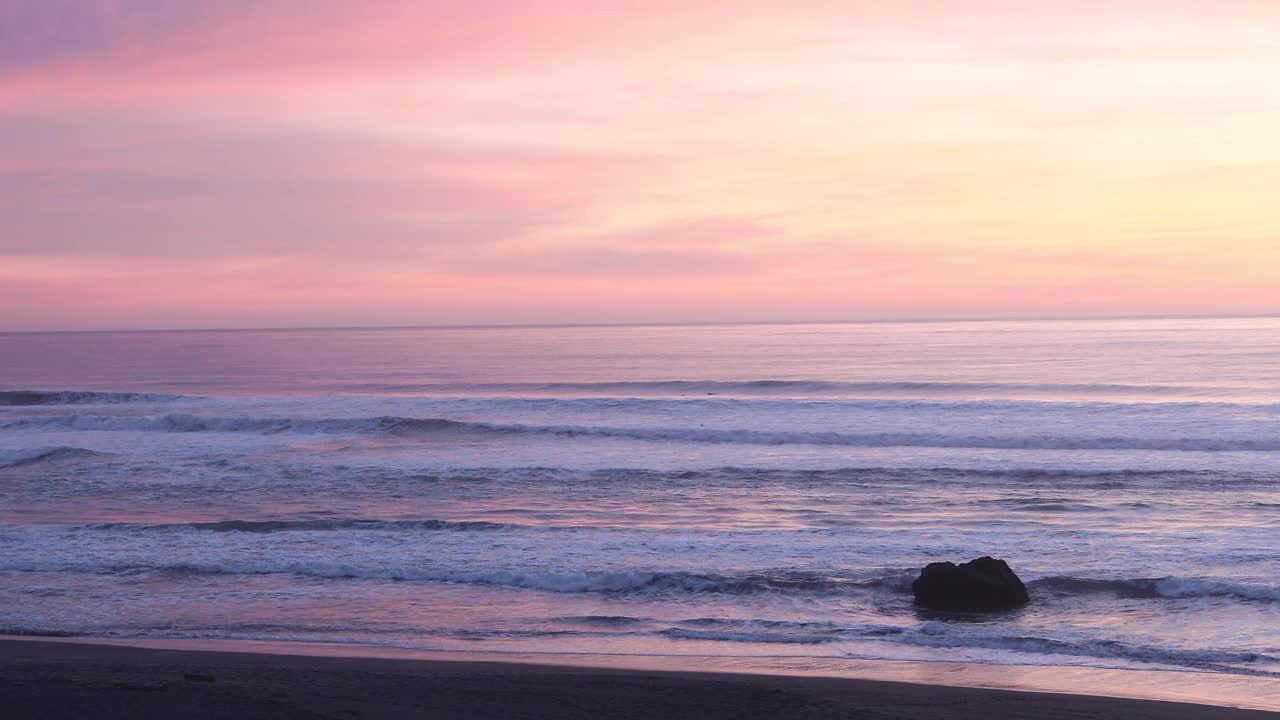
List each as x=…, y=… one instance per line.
x=77, y=680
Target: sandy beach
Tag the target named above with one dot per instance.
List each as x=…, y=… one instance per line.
x=40, y=679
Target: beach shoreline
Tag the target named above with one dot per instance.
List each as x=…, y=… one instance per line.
x=78, y=677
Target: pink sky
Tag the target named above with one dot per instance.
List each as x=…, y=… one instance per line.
x=235, y=163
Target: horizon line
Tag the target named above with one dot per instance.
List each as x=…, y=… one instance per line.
x=648, y=323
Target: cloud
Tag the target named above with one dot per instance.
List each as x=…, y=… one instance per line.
x=59, y=32
x=279, y=160
x=700, y=247
x=188, y=194
x=654, y=264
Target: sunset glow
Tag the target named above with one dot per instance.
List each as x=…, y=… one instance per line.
x=192, y=163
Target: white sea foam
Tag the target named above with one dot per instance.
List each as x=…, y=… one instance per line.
x=1165, y=587
x=940, y=635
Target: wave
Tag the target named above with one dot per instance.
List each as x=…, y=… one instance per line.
x=608, y=620
x=796, y=387
x=961, y=636
x=77, y=397
x=644, y=581
x=662, y=582
x=932, y=440
x=1170, y=588
x=23, y=631
x=1039, y=504
x=942, y=635
x=271, y=526
x=617, y=582
x=393, y=425
x=754, y=637
x=186, y=423
x=870, y=473
x=14, y=458
x=951, y=635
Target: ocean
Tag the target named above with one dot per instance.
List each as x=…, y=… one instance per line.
x=718, y=491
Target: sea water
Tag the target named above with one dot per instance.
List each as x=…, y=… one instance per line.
x=736, y=491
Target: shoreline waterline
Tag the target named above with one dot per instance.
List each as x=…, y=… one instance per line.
x=1200, y=688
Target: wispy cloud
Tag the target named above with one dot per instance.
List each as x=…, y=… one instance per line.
x=315, y=161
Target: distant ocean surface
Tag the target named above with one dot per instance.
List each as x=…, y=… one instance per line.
x=732, y=491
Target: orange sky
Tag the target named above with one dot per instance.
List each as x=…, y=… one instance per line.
x=202, y=163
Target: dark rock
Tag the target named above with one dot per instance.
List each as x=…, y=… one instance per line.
x=982, y=585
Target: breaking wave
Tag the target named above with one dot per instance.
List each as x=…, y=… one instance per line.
x=961, y=636
x=794, y=387
x=755, y=637
x=270, y=526
x=1171, y=588
x=23, y=631
x=620, y=582
x=14, y=458
x=942, y=635
x=632, y=581
x=77, y=397
x=187, y=423
x=393, y=425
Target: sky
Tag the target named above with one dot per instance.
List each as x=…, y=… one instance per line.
x=268, y=163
